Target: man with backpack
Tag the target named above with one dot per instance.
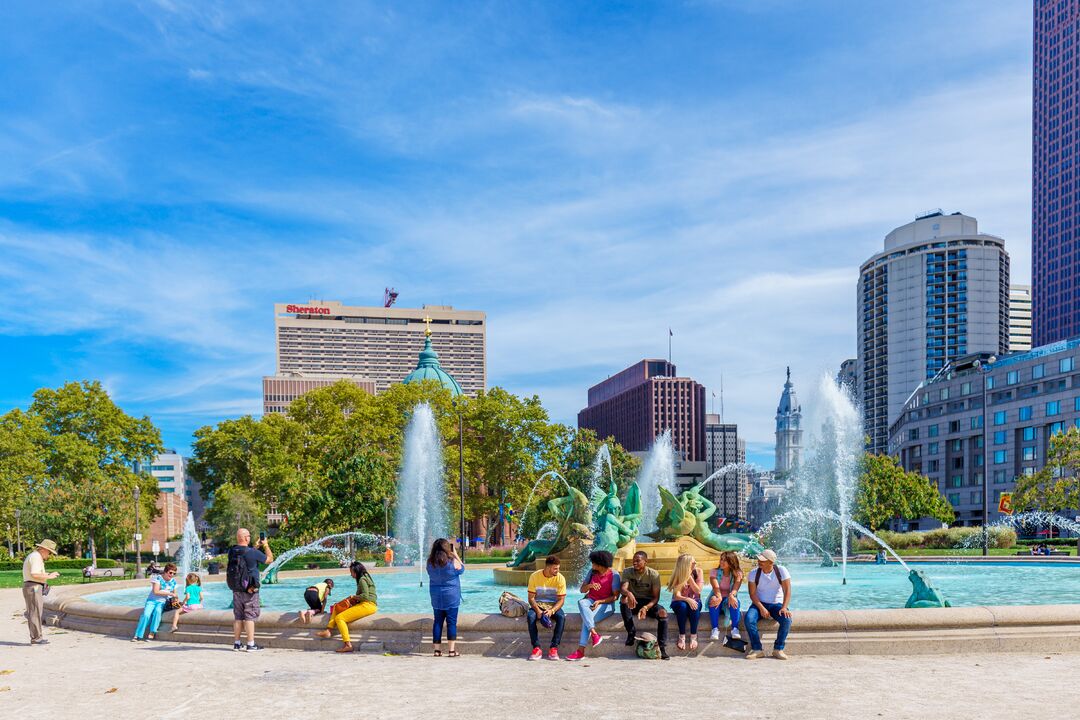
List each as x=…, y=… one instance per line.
x=242, y=576
x=770, y=593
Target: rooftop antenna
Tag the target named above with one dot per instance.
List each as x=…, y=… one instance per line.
x=721, y=397
x=389, y=297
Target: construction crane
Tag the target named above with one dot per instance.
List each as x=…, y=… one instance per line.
x=389, y=297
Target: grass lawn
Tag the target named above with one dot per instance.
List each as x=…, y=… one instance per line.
x=13, y=578
x=1008, y=552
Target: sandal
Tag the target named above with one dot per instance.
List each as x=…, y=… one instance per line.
x=693, y=642
x=438, y=653
x=453, y=653
x=347, y=648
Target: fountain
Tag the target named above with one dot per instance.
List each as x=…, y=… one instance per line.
x=657, y=471
x=420, y=516
x=342, y=546
x=190, y=556
x=826, y=557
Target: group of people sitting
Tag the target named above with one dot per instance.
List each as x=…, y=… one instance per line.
x=1040, y=549
x=636, y=593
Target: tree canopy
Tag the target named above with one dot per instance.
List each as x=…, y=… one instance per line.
x=1057, y=486
x=886, y=491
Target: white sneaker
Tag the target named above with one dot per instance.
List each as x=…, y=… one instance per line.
x=715, y=634
x=735, y=633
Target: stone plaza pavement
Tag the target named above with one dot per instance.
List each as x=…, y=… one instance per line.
x=86, y=675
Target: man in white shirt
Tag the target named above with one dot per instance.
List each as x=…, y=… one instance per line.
x=35, y=580
x=770, y=592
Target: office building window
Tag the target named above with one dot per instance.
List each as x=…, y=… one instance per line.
x=1025, y=413
x=976, y=422
x=931, y=449
x=999, y=457
x=976, y=497
x=954, y=499
x=999, y=437
x=1000, y=417
x=958, y=446
x=932, y=466
x=913, y=434
x=1029, y=433
x=956, y=481
x=1012, y=377
x=932, y=431
x=1053, y=407
x=1065, y=365
x=990, y=382
x=1029, y=454
x=1057, y=428
x=999, y=476
x=1076, y=403
x=965, y=388
x=954, y=426
x=1038, y=371
x=944, y=393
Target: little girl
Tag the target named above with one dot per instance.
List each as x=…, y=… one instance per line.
x=192, y=598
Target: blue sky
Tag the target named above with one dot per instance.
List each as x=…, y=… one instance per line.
x=589, y=174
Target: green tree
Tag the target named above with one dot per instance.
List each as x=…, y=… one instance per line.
x=21, y=437
x=1057, y=485
x=886, y=491
x=88, y=447
x=234, y=507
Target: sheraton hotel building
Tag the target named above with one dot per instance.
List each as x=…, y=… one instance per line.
x=320, y=343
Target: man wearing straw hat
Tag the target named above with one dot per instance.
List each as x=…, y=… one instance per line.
x=35, y=582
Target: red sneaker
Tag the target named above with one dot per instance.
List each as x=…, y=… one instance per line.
x=536, y=654
x=576, y=655
x=553, y=654
x=596, y=638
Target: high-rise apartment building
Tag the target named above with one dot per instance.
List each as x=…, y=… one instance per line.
x=1019, y=318
x=170, y=470
x=328, y=341
x=640, y=402
x=1055, y=196
x=788, y=432
x=938, y=291
x=723, y=446
x=848, y=376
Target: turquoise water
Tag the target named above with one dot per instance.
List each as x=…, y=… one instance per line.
x=814, y=588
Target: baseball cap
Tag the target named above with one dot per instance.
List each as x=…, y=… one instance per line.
x=768, y=555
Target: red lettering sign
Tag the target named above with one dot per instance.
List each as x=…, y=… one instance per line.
x=301, y=310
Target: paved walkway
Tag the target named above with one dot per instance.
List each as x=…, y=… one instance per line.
x=92, y=676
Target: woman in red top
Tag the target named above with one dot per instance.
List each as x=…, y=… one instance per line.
x=601, y=593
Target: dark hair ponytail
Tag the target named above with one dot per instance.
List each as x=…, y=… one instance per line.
x=357, y=569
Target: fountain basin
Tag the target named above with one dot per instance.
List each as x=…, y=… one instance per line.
x=989, y=625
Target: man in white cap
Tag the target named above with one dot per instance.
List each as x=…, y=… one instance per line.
x=35, y=580
x=770, y=592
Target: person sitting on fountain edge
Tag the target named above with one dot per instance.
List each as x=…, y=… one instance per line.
x=770, y=593
x=547, y=593
x=601, y=590
x=641, y=597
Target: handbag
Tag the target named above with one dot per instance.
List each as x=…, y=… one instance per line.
x=342, y=605
x=511, y=606
x=172, y=603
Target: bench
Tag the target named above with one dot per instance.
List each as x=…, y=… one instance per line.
x=1052, y=553
x=89, y=573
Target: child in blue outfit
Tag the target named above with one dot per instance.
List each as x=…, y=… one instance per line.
x=162, y=587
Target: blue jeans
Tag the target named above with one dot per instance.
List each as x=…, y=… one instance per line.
x=716, y=612
x=683, y=615
x=151, y=617
x=559, y=619
x=589, y=618
x=449, y=616
x=752, y=617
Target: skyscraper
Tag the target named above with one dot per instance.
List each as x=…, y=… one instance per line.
x=640, y=402
x=788, y=431
x=938, y=291
x=1019, y=318
x=1055, y=197
x=723, y=446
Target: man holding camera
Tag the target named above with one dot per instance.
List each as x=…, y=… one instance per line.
x=242, y=575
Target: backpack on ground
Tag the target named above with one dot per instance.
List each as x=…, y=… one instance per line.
x=647, y=647
x=512, y=606
x=237, y=576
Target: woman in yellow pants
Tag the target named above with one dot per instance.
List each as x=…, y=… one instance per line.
x=364, y=602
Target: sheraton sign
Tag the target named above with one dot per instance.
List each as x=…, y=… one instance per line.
x=302, y=310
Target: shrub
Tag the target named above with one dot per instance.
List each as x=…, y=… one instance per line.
x=51, y=564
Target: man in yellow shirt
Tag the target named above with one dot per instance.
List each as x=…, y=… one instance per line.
x=547, y=593
x=35, y=580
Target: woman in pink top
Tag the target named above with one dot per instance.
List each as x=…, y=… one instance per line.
x=725, y=581
x=685, y=586
x=601, y=591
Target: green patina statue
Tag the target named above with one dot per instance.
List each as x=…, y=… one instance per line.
x=686, y=515
x=573, y=516
x=616, y=525
x=923, y=595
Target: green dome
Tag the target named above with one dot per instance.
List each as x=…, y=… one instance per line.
x=429, y=369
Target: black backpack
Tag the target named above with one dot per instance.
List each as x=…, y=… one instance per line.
x=237, y=576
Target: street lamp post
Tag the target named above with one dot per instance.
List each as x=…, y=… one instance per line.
x=386, y=517
x=461, y=475
x=18, y=529
x=138, y=555
x=984, y=374
x=10, y=550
